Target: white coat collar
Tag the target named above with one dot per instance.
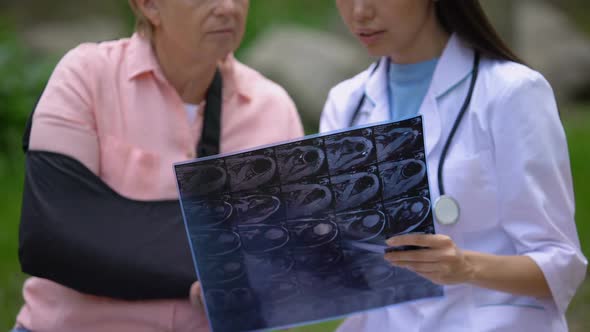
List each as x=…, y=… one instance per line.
x=455, y=64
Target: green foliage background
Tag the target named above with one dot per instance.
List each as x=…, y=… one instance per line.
x=22, y=78
x=23, y=75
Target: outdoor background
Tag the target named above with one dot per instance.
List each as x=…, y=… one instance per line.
x=301, y=44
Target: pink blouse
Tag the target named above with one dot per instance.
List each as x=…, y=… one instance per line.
x=109, y=106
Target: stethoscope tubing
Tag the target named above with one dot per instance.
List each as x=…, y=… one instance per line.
x=445, y=150
x=456, y=124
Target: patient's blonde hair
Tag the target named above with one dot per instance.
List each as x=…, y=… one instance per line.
x=143, y=26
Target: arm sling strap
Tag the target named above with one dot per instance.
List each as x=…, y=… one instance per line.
x=77, y=231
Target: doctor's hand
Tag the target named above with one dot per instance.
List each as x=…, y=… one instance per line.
x=441, y=262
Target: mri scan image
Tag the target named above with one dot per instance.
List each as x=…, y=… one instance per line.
x=301, y=160
x=319, y=284
x=407, y=214
x=296, y=232
x=255, y=209
x=353, y=190
x=312, y=233
x=279, y=291
x=273, y=265
x=203, y=179
x=318, y=259
x=362, y=225
x=396, y=140
x=220, y=242
x=370, y=274
x=263, y=238
x=400, y=177
x=230, y=299
x=346, y=151
x=306, y=199
x=224, y=270
x=208, y=213
x=250, y=170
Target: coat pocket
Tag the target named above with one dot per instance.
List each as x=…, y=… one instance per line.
x=470, y=181
x=517, y=318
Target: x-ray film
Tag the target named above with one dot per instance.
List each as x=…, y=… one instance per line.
x=295, y=233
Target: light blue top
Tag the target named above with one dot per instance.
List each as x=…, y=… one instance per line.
x=408, y=84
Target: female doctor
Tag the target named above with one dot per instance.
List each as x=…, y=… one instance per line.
x=506, y=247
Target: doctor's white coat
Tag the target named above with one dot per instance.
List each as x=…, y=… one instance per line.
x=508, y=166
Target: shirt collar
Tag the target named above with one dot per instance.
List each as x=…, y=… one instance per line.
x=236, y=79
x=142, y=60
x=454, y=65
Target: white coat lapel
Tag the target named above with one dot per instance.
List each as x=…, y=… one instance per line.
x=431, y=122
x=454, y=65
x=377, y=95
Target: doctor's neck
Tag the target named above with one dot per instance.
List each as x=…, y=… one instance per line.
x=428, y=43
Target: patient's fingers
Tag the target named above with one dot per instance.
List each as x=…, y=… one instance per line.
x=195, y=294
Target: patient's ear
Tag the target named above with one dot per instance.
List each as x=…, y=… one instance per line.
x=150, y=9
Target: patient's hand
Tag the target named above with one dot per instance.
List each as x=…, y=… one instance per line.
x=197, y=299
x=196, y=296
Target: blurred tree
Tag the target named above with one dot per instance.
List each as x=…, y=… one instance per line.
x=23, y=78
x=264, y=13
x=578, y=11
x=502, y=14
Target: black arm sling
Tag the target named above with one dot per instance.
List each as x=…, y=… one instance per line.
x=77, y=231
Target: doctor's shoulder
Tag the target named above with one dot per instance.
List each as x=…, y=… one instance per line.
x=335, y=114
x=516, y=109
x=514, y=90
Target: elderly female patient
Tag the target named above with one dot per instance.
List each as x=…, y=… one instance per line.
x=123, y=112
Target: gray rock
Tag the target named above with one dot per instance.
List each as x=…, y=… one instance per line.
x=502, y=14
x=307, y=63
x=550, y=43
x=59, y=37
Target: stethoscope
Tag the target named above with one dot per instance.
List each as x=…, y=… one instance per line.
x=446, y=208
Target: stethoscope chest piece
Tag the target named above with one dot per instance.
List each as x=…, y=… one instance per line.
x=446, y=210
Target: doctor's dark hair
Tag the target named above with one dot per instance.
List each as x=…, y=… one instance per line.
x=468, y=20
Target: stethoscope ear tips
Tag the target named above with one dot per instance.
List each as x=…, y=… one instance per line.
x=446, y=210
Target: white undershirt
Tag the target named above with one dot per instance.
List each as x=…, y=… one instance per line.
x=191, y=110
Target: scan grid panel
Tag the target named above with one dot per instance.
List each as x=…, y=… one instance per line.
x=295, y=232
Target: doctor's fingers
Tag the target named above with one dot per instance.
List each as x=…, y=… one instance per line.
x=422, y=240
x=443, y=278
x=445, y=255
x=421, y=255
x=426, y=268
x=439, y=273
